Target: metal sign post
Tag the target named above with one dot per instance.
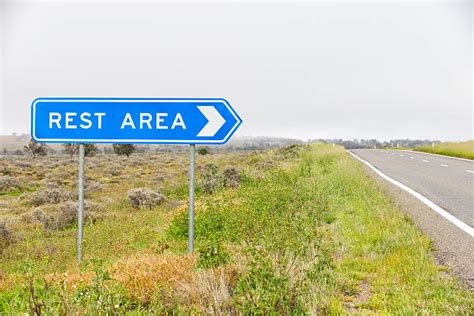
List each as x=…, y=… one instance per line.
x=80, y=209
x=192, y=152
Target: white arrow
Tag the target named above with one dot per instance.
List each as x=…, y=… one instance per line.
x=215, y=121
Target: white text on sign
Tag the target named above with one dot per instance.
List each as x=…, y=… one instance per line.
x=86, y=120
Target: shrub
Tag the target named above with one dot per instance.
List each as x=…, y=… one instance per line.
x=124, y=149
x=211, y=180
x=231, y=178
x=36, y=149
x=37, y=215
x=158, y=177
x=24, y=164
x=113, y=171
x=6, y=234
x=64, y=216
x=90, y=150
x=144, y=198
x=90, y=185
x=8, y=183
x=6, y=171
x=50, y=196
x=203, y=151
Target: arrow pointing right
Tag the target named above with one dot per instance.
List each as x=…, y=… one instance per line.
x=215, y=121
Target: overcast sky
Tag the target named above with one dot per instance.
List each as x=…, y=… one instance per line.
x=304, y=70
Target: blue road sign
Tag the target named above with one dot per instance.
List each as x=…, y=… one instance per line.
x=133, y=120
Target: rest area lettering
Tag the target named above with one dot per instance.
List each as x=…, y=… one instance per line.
x=86, y=120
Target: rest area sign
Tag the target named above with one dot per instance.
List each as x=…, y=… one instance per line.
x=133, y=120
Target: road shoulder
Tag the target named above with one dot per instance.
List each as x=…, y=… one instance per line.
x=453, y=247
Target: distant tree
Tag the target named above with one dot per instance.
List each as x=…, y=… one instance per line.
x=73, y=149
x=36, y=149
x=90, y=150
x=5, y=151
x=124, y=149
x=18, y=152
x=203, y=151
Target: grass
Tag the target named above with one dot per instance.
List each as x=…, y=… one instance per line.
x=454, y=149
x=306, y=232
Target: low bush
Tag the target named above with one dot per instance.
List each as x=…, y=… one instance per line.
x=210, y=178
x=144, y=198
x=8, y=183
x=50, y=196
x=62, y=216
x=231, y=178
x=113, y=171
x=6, y=234
x=6, y=171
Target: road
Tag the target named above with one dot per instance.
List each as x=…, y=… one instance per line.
x=447, y=182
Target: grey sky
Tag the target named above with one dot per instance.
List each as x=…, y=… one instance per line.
x=306, y=70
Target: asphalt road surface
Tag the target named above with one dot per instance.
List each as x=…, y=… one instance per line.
x=447, y=182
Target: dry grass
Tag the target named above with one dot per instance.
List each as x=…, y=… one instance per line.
x=147, y=276
x=210, y=291
x=70, y=280
x=7, y=282
x=174, y=279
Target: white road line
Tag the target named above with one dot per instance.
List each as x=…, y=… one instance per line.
x=425, y=160
x=443, y=165
x=412, y=158
x=471, y=171
x=460, y=224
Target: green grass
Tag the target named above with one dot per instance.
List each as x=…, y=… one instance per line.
x=454, y=149
x=307, y=232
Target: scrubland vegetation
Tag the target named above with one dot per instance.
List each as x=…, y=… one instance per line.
x=296, y=230
x=459, y=149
